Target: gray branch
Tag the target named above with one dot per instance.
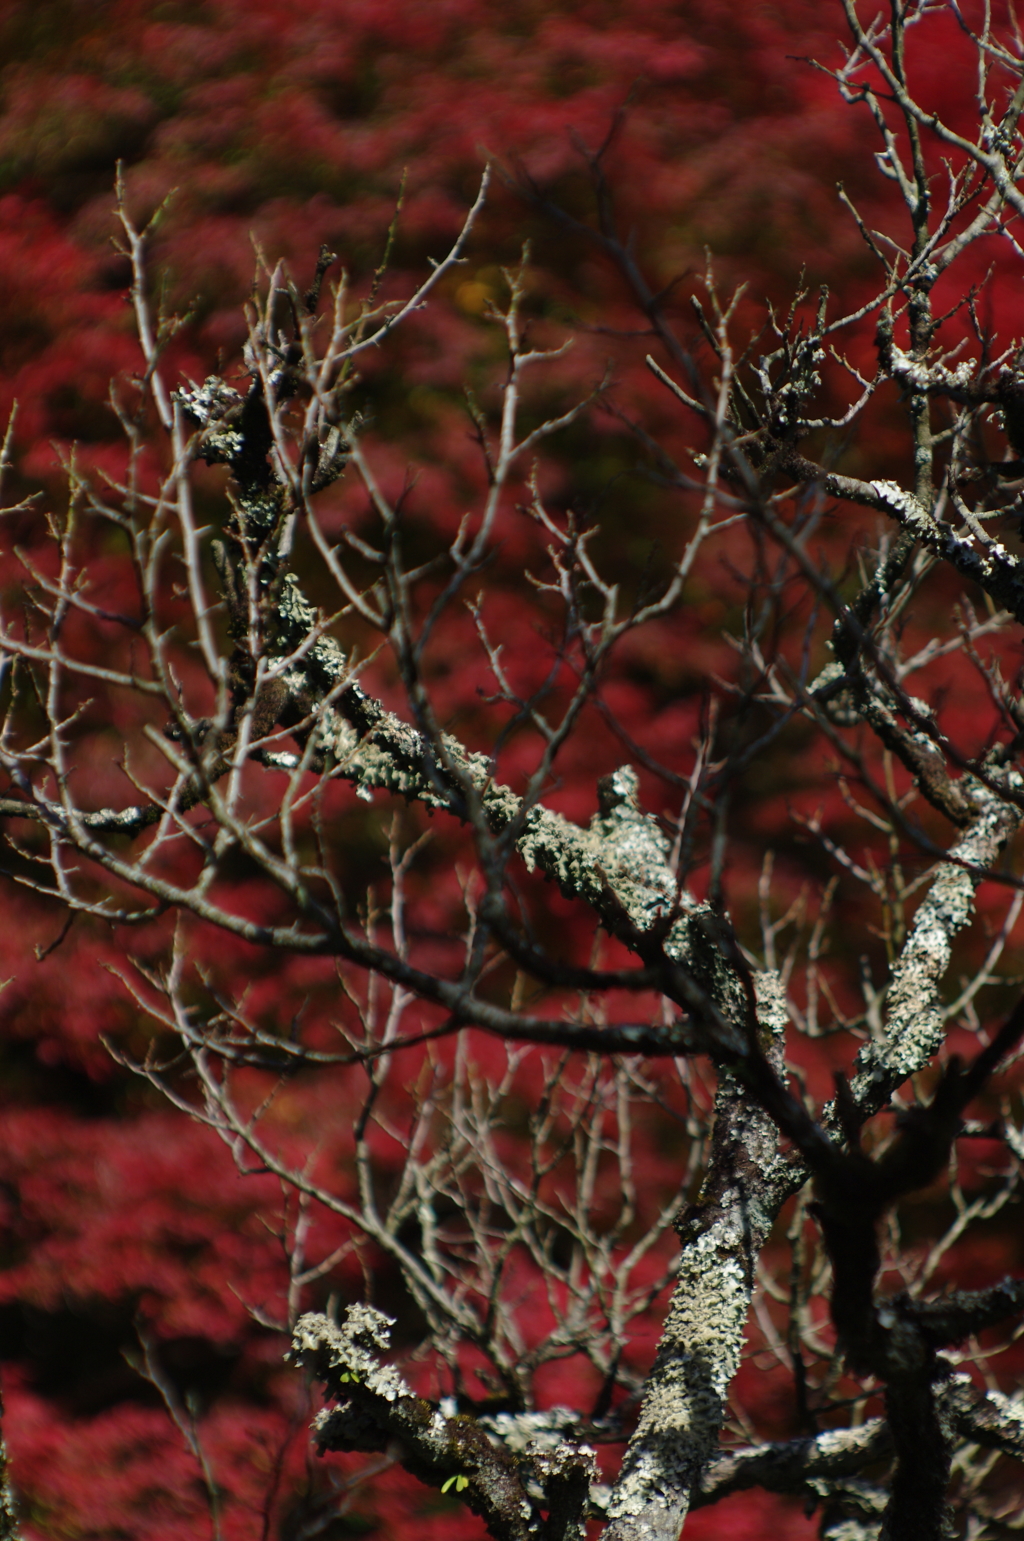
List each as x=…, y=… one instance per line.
x=9, y=1528
x=915, y=1019
x=372, y=1408
x=792, y=1465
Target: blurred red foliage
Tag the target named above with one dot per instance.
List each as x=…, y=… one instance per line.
x=292, y=125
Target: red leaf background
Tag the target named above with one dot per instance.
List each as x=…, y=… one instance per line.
x=292, y=126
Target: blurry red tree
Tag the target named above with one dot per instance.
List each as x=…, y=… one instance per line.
x=512, y=1210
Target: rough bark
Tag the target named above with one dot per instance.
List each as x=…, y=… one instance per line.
x=9, y=1528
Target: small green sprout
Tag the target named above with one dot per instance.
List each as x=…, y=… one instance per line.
x=459, y=1481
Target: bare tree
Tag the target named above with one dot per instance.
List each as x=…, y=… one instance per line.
x=905, y=1417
